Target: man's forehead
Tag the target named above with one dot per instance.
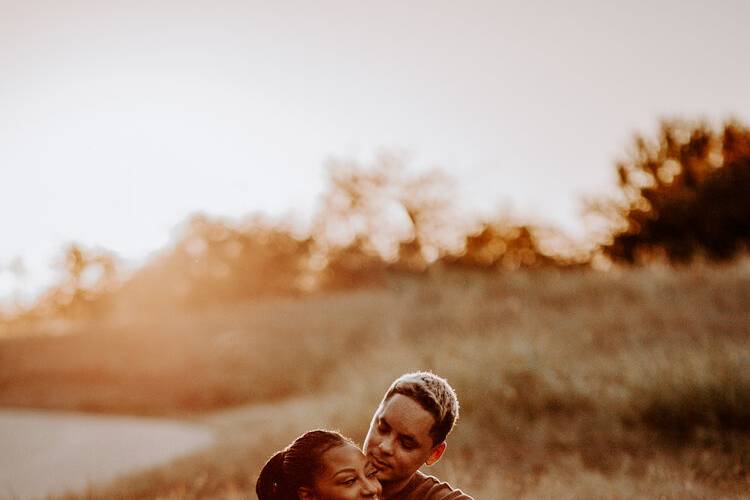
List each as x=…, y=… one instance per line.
x=406, y=416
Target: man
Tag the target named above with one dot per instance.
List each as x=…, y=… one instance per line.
x=408, y=430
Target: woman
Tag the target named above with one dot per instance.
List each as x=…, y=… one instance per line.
x=319, y=465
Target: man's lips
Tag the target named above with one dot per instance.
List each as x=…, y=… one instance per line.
x=379, y=463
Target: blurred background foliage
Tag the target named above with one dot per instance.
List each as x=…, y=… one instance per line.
x=682, y=196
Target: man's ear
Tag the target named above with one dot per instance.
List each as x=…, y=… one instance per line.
x=436, y=453
x=305, y=493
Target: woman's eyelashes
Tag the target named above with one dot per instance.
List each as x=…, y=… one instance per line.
x=370, y=473
x=353, y=480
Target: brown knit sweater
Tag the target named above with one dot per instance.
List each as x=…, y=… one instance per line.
x=424, y=487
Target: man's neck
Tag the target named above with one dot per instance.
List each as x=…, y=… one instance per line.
x=393, y=488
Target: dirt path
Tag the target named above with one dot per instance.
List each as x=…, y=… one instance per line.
x=43, y=453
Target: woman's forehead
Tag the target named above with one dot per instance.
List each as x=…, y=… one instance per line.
x=343, y=457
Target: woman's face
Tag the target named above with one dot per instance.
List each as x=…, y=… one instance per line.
x=346, y=475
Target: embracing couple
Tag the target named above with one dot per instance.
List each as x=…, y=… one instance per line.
x=408, y=430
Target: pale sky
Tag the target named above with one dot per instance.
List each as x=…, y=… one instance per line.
x=120, y=118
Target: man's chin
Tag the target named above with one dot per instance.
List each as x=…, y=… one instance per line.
x=383, y=471
x=384, y=475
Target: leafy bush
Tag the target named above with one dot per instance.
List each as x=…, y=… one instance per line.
x=683, y=195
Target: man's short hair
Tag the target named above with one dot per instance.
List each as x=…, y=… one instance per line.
x=434, y=394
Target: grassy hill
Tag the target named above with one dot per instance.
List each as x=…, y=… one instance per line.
x=572, y=384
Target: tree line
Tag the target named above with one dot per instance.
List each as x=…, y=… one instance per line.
x=684, y=194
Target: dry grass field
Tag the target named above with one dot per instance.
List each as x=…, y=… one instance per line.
x=577, y=384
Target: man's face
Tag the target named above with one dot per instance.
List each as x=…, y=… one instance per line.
x=399, y=440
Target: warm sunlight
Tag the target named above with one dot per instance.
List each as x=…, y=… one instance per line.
x=118, y=121
x=385, y=250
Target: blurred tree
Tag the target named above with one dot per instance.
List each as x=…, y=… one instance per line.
x=410, y=257
x=403, y=218
x=215, y=260
x=351, y=266
x=500, y=246
x=17, y=268
x=88, y=281
x=683, y=195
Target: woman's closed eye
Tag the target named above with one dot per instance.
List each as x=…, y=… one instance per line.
x=349, y=482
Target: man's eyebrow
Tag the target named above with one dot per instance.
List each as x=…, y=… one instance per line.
x=402, y=435
x=408, y=437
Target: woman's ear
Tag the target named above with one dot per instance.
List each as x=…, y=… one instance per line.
x=436, y=453
x=305, y=493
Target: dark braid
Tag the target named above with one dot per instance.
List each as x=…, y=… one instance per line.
x=296, y=465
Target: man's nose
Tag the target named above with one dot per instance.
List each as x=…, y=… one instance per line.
x=371, y=488
x=386, y=446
